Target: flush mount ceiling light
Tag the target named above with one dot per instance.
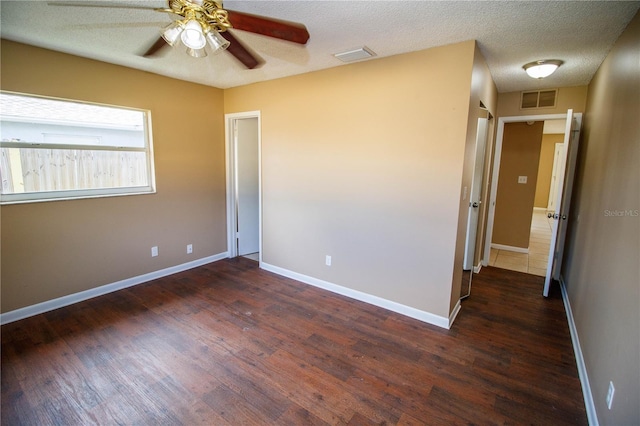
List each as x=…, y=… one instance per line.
x=542, y=69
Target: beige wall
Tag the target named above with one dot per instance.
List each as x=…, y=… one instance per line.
x=545, y=168
x=601, y=258
x=53, y=249
x=514, y=201
x=364, y=163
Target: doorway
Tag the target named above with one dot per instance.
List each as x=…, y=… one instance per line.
x=244, y=186
x=558, y=222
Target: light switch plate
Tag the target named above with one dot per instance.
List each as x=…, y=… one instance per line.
x=610, y=393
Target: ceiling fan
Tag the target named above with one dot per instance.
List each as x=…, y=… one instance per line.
x=203, y=25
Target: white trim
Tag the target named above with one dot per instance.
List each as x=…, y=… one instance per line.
x=496, y=171
x=539, y=209
x=229, y=170
x=365, y=297
x=477, y=269
x=565, y=207
x=590, y=407
x=454, y=314
x=70, y=299
x=230, y=165
x=510, y=248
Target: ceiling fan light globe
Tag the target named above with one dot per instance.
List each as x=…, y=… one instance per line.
x=217, y=43
x=171, y=33
x=196, y=53
x=192, y=35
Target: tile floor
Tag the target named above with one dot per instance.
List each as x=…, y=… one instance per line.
x=535, y=262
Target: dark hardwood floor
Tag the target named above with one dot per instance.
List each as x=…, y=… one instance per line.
x=228, y=343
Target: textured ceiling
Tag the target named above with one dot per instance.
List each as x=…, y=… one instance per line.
x=509, y=33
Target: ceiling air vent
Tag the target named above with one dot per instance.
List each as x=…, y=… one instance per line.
x=355, y=55
x=539, y=99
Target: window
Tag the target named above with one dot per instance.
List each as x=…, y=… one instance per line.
x=55, y=149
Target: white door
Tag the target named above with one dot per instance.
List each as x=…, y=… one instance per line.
x=563, y=198
x=475, y=194
x=247, y=185
x=558, y=159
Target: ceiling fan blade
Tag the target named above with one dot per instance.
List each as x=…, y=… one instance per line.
x=99, y=4
x=114, y=25
x=159, y=44
x=241, y=52
x=290, y=31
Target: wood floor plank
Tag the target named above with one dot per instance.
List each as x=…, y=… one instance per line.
x=234, y=408
x=227, y=343
x=297, y=415
x=261, y=394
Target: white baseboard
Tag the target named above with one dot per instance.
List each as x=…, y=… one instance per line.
x=592, y=416
x=477, y=269
x=70, y=299
x=510, y=248
x=367, y=298
x=454, y=314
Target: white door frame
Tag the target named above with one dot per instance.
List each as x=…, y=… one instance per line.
x=496, y=171
x=231, y=162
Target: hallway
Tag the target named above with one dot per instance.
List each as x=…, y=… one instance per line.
x=535, y=262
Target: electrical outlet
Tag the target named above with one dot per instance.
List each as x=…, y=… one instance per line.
x=154, y=251
x=327, y=260
x=522, y=179
x=189, y=248
x=610, y=393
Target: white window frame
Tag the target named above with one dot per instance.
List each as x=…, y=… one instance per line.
x=53, y=195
